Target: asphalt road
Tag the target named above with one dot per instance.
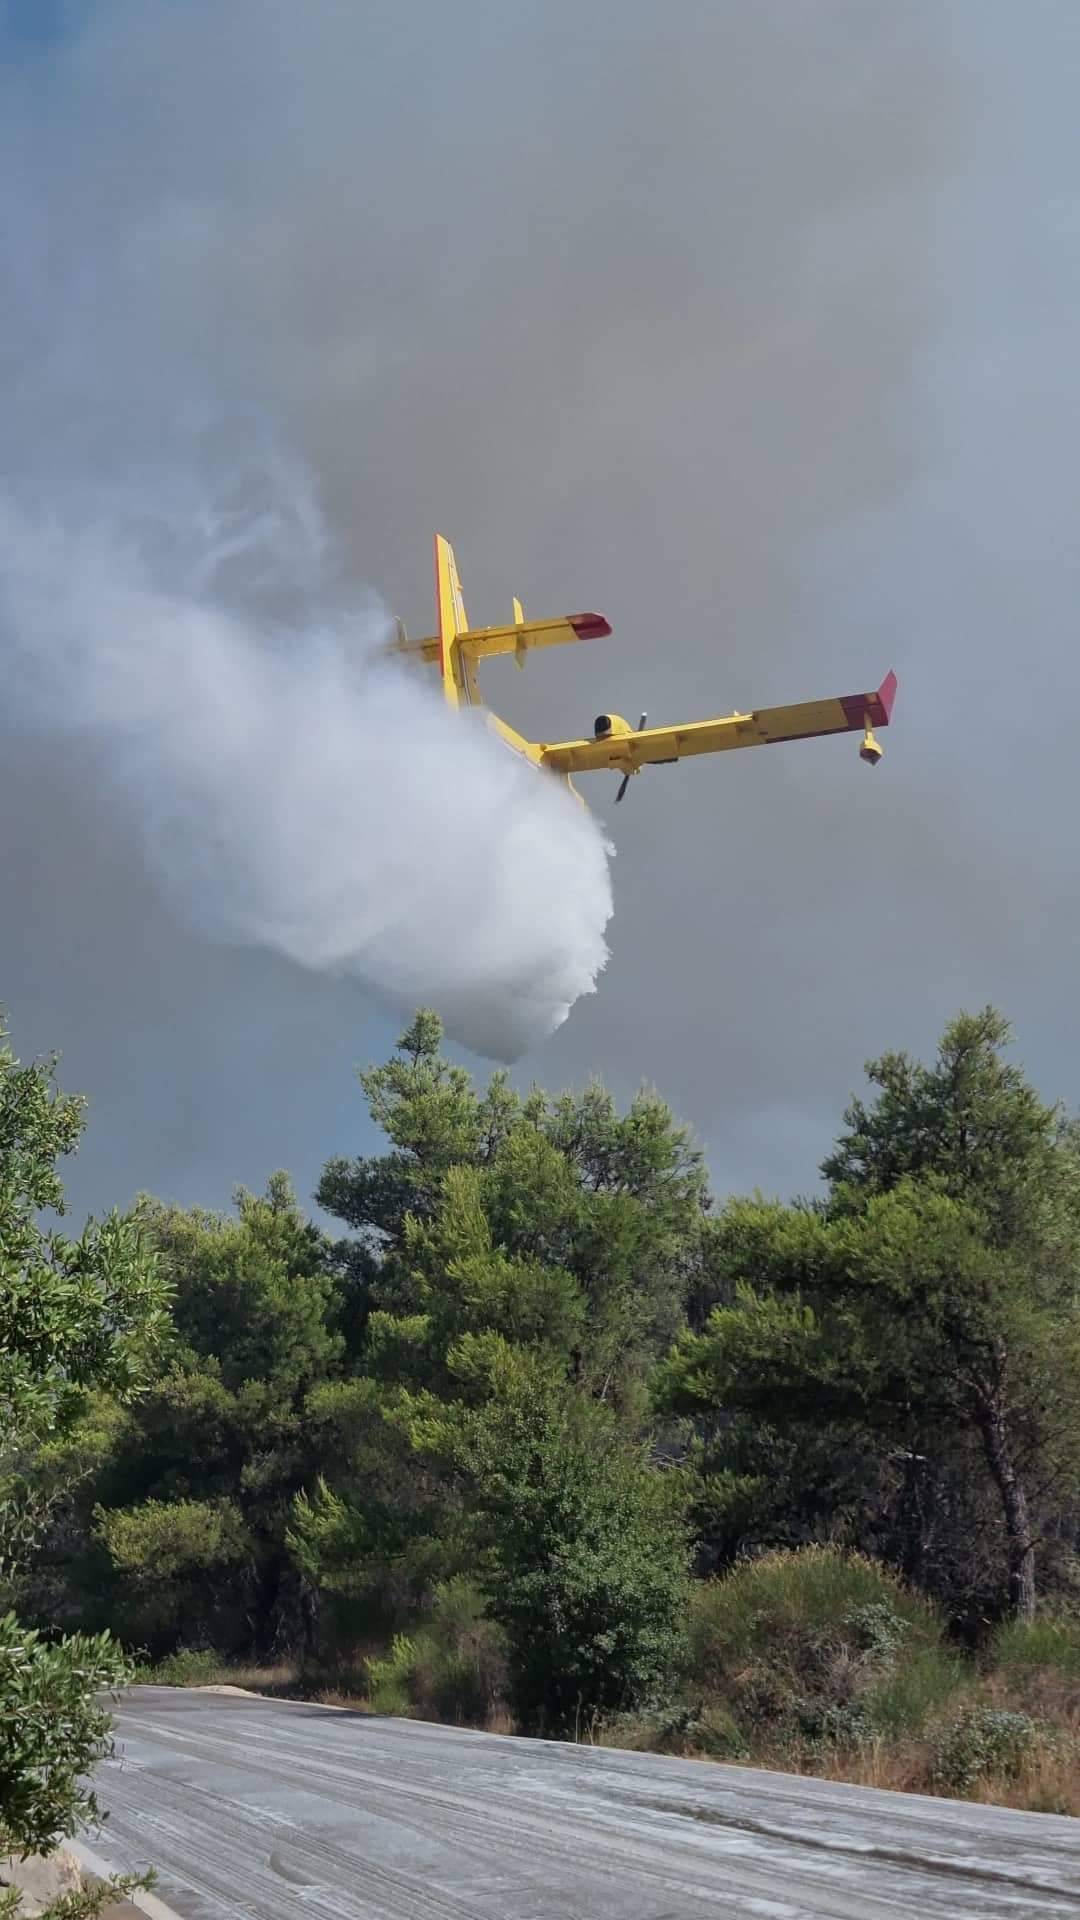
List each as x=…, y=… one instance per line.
x=251, y=1807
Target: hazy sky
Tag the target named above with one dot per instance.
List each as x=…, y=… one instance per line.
x=752, y=326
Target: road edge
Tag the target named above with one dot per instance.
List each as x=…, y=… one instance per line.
x=147, y=1903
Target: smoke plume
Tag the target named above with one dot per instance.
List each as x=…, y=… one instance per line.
x=751, y=326
x=293, y=786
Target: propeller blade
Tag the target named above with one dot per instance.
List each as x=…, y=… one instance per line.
x=625, y=781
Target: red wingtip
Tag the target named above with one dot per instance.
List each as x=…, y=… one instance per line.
x=589, y=626
x=861, y=709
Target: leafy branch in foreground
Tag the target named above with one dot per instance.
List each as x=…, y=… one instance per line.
x=76, y=1316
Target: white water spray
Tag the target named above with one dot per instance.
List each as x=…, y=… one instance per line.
x=293, y=787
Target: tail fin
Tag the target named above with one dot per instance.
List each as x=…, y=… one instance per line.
x=452, y=621
x=458, y=648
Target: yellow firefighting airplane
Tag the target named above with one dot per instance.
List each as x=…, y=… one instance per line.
x=614, y=745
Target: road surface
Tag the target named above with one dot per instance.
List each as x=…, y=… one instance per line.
x=255, y=1809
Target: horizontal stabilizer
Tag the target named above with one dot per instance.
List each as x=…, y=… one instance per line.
x=484, y=643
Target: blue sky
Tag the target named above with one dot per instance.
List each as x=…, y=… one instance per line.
x=41, y=23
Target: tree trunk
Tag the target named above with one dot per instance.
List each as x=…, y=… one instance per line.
x=995, y=1434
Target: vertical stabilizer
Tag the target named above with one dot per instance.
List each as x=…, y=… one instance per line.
x=458, y=679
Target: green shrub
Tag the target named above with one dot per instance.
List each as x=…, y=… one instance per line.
x=979, y=1742
x=915, y=1690
x=707, y=1730
x=1048, y=1643
x=187, y=1667
x=461, y=1673
x=698, y=1731
x=54, y=1732
x=876, y=1627
x=451, y=1668
x=177, y=1570
x=799, y=1597
x=587, y=1542
x=389, y=1677
x=818, y=1648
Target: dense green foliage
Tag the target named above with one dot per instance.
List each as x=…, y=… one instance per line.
x=76, y=1316
x=582, y=1540
x=923, y=1320
x=818, y=1646
x=54, y=1730
x=487, y=1453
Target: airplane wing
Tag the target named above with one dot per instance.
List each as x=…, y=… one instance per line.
x=660, y=746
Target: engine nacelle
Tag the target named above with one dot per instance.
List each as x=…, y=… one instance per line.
x=610, y=726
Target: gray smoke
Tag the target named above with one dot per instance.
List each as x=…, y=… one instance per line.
x=752, y=326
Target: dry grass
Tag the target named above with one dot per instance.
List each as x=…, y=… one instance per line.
x=336, y=1697
x=1044, y=1692
x=1047, y=1783
x=631, y=1736
x=900, y=1766
x=897, y=1766
x=500, y=1720
x=280, y=1677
